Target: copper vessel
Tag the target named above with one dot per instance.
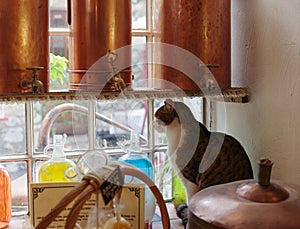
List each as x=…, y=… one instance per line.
x=202, y=27
x=247, y=204
x=23, y=42
x=97, y=27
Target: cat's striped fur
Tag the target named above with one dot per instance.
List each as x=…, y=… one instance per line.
x=225, y=159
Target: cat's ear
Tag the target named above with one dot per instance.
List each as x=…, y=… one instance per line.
x=169, y=104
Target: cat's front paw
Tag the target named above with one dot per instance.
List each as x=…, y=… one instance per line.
x=182, y=213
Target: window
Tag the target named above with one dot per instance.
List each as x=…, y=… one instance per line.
x=25, y=131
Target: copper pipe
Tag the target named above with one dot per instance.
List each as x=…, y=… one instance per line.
x=24, y=42
x=44, y=133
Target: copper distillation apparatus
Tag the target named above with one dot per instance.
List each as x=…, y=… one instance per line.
x=202, y=27
x=24, y=45
x=99, y=29
x=247, y=204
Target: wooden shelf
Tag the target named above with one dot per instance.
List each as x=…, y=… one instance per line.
x=234, y=95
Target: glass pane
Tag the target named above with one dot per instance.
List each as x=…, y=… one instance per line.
x=59, y=45
x=130, y=114
x=18, y=174
x=156, y=8
x=12, y=128
x=58, y=14
x=139, y=60
x=196, y=106
x=163, y=174
x=139, y=14
x=60, y=117
x=59, y=75
x=160, y=137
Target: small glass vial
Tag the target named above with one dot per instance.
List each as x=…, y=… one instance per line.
x=5, y=197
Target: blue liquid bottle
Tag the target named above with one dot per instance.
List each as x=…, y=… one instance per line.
x=139, y=159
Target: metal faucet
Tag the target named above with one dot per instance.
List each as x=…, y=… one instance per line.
x=44, y=133
x=37, y=86
x=34, y=85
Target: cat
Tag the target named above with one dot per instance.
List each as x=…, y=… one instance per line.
x=200, y=157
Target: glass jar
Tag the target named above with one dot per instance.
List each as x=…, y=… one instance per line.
x=5, y=197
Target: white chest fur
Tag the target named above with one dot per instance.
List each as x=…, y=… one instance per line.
x=173, y=133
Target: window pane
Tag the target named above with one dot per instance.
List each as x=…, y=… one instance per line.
x=58, y=14
x=139, y=58
x=66, y=118
x=59, y=45
x=129, y=113
x=59, y=75
x=163, y=174
x=156, y=6
x=12, y=129
x=160, y=137
x=18, y=174
x=139, y=14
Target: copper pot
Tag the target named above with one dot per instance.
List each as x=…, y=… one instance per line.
x=97, y=27
x=247, y=204
x=24, y=43
x=202, y=27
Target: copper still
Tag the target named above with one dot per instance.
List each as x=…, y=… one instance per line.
x=202, y=27
x=24, y=43
x=97, y=27
x=247, y=204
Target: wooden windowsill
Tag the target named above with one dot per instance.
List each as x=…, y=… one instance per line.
x=234, y=95
x=21, y=222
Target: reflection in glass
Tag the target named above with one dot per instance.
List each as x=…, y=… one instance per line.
x=139, y=60
x=61, y=117
x=12, y=129
x=130, y=113
x=58, y=14
x=139, y=14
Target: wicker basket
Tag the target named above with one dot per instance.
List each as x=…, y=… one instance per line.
x=90, y=184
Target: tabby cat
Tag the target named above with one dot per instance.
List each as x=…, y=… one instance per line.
x=200, y=157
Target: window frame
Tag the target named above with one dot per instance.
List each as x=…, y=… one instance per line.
x=30, y=157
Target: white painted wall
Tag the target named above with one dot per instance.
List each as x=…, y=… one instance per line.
x=266, y=59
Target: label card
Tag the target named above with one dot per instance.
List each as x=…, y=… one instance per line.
x=45, y=196
x=110, y=187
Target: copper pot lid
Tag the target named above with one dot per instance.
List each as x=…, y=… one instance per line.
x=249, y=203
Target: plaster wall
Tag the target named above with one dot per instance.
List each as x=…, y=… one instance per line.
x=266, y=59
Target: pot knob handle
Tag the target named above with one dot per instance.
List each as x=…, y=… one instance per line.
x=263, y=190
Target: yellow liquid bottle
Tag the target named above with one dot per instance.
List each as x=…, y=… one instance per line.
x=178, y=191
x=54, y=169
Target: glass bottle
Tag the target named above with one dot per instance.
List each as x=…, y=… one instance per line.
x=54, y=169
x=139, y=159
x=5, y=197
x=178, y=191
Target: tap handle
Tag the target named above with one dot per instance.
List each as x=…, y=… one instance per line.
x=264, y=173
x=34, y=69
